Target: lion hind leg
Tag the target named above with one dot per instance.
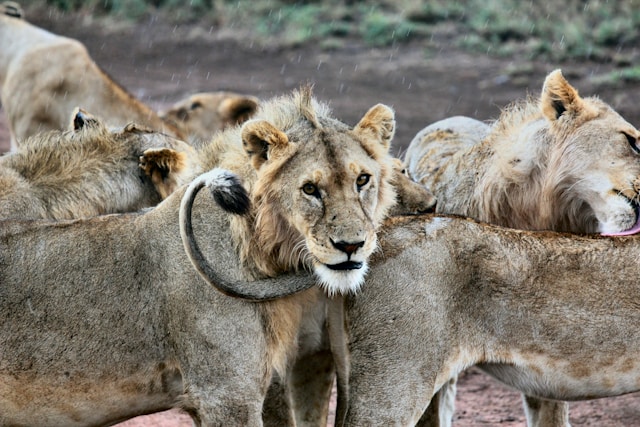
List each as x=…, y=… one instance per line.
x=545, y=413
x=166, y=168
x=440, y=411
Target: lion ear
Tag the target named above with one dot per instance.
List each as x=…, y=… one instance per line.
x=81, y=119
x=378, y=123
x=558, y=96
x=260, y=138
x=237, y=109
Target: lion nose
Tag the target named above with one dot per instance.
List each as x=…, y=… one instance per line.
x=347, y=247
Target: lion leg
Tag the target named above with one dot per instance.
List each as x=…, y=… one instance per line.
x=545, y=413
x=164, y=166
x=311, y=382
x=440, y=411
x=277, y=410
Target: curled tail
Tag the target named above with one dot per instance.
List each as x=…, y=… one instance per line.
x=231, y=196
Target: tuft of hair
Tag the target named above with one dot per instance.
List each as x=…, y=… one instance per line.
x=11, y=9
x=306, y=105
x=227, y=191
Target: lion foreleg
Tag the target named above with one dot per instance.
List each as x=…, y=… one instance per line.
x=277, y=410
x=311, y=382
x=545, y=413
x=440, y=411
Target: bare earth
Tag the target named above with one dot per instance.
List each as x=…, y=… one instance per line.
x=423, y=81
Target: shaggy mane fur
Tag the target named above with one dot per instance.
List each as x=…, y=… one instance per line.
x=523, y=174
x=268, y=242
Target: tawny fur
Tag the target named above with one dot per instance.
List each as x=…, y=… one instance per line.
x=105, y=319
x=560, y=162
x=535, y=168
x=203, y=114
x=44, y=76
x=552, y=315
x=84, y=172
x=293, y=140
x=290, y=142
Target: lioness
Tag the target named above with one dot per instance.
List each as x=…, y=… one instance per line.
x=44, y=76
x=89, y=170
x=104, y=319
x=562, y=163
x=446, y=293
x=202, y=114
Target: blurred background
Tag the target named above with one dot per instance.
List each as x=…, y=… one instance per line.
x=427, y=59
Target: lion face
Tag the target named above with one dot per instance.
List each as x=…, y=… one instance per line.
x=322, y=190
x=597, y=156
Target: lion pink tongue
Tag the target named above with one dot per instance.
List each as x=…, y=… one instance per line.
x=633, y=230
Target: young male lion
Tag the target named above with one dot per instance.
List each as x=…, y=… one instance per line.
x=552, y=315
x=90, y=170
x=44, y=76
x=318, y=191
x=562, y=163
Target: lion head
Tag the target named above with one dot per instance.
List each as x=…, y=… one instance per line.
x=559, y=162
x=319, y=189
x=595, y=156
x=202, y=114
x=85, y=171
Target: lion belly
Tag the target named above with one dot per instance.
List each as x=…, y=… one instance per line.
x=70, y=399
x=549, y=383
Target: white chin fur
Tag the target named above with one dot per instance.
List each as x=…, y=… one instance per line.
x=340, y=282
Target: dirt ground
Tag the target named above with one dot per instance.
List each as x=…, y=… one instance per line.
x=423, y=81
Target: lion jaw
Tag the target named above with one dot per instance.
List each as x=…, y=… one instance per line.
x=340, y=282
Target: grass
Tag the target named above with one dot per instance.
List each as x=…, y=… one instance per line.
x=545, y=29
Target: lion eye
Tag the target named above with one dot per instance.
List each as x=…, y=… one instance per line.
x=310, y=189
x=633, y=142
x=362, y=180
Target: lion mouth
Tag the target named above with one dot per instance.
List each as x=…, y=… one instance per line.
x=636, y=227
x=347, y=265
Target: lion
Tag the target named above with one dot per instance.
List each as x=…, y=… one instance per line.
x=292, y=135
x=318, y=190
x=105, y=318
x=44, y=76
x=89, y=170
x=562, y=162
x=295, y=159
x=446, y=293
x=202, y=114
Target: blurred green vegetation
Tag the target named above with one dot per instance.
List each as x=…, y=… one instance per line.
x=601, y=30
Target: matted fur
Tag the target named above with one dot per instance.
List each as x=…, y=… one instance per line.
x=44, y=76
x=86, y=171
x=560, y=162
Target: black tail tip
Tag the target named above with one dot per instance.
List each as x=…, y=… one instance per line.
x=232, y=197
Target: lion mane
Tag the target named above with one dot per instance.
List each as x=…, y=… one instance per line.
x=88, y=170
x=560, y=162
x=290, y=141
